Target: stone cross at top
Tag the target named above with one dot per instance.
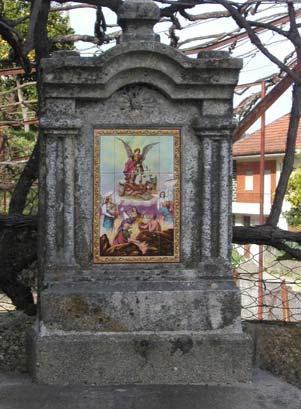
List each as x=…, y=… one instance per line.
x=137, y=19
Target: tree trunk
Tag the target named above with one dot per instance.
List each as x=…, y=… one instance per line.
x=28, y=176
x=18, y=243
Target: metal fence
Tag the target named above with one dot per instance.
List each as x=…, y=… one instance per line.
x=271, y=290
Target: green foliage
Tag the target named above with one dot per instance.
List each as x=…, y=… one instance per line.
x=282, y=255
x=236, y=258
x=294, y=189
x=31, y=207
x=58, y=24
x=293, y=216
x=21, y=143
x=18, y=148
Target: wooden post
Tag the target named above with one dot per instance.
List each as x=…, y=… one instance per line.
x=24, y=109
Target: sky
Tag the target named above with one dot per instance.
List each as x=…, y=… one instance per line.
x=256, y=66
x=158, y=161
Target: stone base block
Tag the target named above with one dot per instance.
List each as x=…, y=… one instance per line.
x=147, y=309
x=140, y=358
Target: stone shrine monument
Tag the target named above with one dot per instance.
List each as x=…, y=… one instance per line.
x=135, y=218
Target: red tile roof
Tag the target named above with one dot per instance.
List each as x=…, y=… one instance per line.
x=275, y=139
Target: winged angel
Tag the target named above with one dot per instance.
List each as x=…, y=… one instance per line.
x=134, y=165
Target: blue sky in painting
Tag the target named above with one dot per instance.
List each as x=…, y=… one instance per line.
x=159, y=160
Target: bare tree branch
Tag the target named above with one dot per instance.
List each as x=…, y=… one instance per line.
x=270, y=236
x=72, y=7
x=288, y=161
x=215, y=37
x=292, y=17
x=14, y=40
x=71, y=38
x=269, y=26
x=34, y=16
x=41, y=42
x=100, y=26
x=204, y=16
x=254, y=38
x=111, y=4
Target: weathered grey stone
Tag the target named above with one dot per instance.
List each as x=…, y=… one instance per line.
x=148, y=14
x=164, y=68
x=176, y=357
x=13, y=328
x=92, y=315
x=112, y=309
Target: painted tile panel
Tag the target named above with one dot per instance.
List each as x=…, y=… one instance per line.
x=136, y=196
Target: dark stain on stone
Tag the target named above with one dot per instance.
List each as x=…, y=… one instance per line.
x=142, y=347
x=230, y=310
x=89, y=316
x=208, y=324
x=77, y=306
x=197, y=304
x=184, y=344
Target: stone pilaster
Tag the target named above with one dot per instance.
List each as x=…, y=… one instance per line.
x=60, y=135
x=214, y=134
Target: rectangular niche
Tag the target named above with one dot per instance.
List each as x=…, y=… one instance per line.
x=136, y=196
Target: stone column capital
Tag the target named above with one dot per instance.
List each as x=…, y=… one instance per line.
x=63, y=127
x=214, y=127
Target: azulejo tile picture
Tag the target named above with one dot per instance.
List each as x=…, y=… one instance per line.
x=136, y=195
